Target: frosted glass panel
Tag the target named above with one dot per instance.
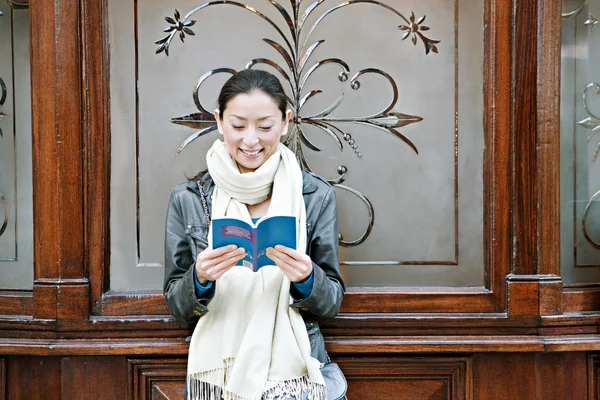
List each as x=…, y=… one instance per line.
x=16, y=202
x=580, y=142
x=421, y=156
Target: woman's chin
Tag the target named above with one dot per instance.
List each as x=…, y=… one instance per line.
x=249, y=165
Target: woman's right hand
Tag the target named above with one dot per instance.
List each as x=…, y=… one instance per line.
x=211, y=264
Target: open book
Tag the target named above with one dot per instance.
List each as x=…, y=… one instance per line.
x=267, y=232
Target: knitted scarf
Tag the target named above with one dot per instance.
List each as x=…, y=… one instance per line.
x=251, y=345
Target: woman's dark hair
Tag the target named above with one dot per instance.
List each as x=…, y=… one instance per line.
x=249, y=80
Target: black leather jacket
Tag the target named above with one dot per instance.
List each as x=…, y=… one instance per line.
x=186, y=236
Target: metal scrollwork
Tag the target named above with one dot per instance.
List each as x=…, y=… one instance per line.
x=296, y=72
x=592, y=122
x=3, y=94
x=592, y=21
x=5, y=208
x=586, y=234
x=575, y=12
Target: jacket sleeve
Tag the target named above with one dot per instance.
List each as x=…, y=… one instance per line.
x=328, y=288
x=178, y=285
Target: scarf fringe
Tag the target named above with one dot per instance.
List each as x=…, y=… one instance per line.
x=296, y=388
x=199, y=389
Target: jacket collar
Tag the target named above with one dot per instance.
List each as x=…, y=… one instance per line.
x=308, y=185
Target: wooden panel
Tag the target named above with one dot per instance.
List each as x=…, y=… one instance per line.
x=408, y=378
x=33, y=378
x=153, y=378
x=100, y=378
x=504, y=376
x=561, y=376
x=533, y=376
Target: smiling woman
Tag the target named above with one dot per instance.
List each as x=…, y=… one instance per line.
x=258, y=335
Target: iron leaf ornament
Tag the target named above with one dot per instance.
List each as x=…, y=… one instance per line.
x=592, y=123
x=295, y=72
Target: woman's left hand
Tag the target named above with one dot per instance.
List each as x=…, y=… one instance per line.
x=295, y=265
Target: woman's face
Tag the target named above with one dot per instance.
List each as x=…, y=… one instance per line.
x=252, y=125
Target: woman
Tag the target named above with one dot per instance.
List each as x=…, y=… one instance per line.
x=257, y=334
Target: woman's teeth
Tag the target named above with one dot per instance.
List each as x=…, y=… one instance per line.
x=250, y=153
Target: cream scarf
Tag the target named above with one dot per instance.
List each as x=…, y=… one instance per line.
x=252, y=345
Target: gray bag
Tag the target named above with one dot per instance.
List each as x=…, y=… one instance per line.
x=335, y=382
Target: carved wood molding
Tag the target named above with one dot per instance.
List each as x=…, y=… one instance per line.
x=152, y=347
x=594, y=376
x=156, y=378
x=581, y=298
x=409, y=378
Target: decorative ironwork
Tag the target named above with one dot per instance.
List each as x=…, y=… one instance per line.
x=591, y=122
x=5, y=219
x=296, y=57
x=592, y=21
x=18, y=4
x=3, y=93
x=575, y=12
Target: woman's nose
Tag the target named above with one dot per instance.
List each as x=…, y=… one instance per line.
x=251, y=138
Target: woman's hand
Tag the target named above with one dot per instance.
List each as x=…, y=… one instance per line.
x=212, y=264
x=295, y=265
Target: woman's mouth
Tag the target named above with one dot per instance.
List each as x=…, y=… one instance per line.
x=249, y=153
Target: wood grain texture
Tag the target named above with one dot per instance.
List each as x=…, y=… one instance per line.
x=359, y=346
x=16, y=302
x=593, y=376
x=153, y=378
x=168, y=390
x=561, y=376
x=60, y=290
x=548, y=136
x=535, y=376
x=536, y=133
x=3, y=381
x=524, y=130
x=581, y=298
x=57, y=144
x=98, y=378
x=504, y=376
x=497, y=153
x=96, y=126
x=33, y=378
x=408, y=378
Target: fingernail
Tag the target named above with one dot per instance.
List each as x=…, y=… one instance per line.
x=233, y=247
x=279, y=247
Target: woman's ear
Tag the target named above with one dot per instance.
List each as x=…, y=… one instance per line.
x=286, y=122
x=219, y=122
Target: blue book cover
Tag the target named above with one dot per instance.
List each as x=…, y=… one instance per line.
x=267, y=232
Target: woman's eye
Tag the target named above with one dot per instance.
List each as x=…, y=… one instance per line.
x=238, y=127
x=266, y=128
